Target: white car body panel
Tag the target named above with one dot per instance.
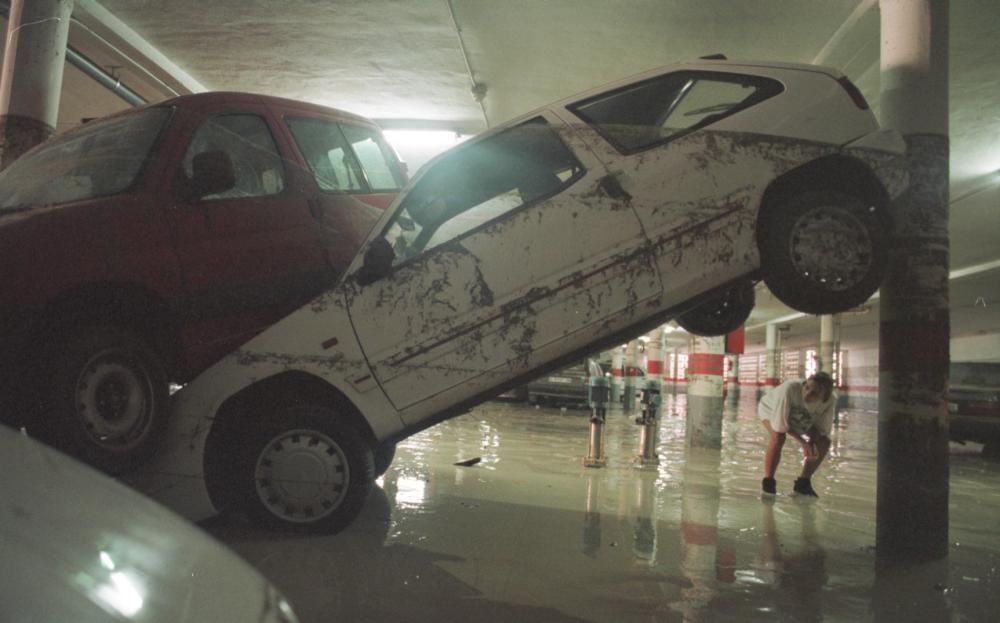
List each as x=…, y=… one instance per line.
x=78, y=546
x=544, y=281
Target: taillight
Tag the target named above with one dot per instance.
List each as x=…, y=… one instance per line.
x=856, y=96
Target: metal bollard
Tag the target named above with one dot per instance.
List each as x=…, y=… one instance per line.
x=648, y=423
x=599, y=394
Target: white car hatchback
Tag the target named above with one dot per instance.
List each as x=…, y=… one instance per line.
x=579, y=225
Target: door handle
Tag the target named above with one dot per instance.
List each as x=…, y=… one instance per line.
x=315, y=209
x=613, y=188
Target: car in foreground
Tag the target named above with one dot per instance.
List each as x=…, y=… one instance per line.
x=138, y=249
x=567, y=231
x=569, y=385
x=79, y=546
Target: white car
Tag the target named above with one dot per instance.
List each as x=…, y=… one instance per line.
x=78, y=546
x=577, y=226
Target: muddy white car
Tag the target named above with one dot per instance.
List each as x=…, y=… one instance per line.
x=581, y=224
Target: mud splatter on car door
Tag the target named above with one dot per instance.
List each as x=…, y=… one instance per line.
x=507, y=246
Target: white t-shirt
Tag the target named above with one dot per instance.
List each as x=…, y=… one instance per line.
x=785, y=409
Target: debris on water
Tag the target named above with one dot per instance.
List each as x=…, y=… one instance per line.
x=469, y=462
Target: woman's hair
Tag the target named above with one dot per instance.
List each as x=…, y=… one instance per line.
x=824, y=380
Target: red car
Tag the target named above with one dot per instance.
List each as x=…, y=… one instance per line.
x=140, y=248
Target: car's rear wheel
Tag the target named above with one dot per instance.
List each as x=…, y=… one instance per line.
x=305, y=468
x=824, y=251
x=721, y=314
x=106, y=398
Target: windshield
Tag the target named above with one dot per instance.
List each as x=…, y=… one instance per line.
x=93, y=161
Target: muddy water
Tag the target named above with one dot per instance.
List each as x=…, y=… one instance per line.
x=529, y=534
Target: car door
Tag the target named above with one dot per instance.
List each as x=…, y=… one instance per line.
x=508, y=251
x=249, y=254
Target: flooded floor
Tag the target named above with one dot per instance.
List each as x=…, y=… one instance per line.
x=529, y=534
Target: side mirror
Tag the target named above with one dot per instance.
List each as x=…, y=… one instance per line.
x=378, y=262
x=211, y=172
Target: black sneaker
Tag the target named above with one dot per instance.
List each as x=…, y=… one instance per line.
x=804, y=487
x=768, y=486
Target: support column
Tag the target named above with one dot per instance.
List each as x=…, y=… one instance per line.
x=826, y=340
x=654, y=356
x=914, y=330
x=31, y=83
x=704, y=402
x=631, y=369
x=617, y=373
x=772, y=361
x=733, y=379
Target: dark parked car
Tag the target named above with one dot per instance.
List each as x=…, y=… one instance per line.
x=141, y=248
x=569, y=385
x=974, y=415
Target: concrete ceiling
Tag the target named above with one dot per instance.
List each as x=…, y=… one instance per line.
x=414, y=63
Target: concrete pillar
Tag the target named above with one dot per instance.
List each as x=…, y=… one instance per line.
x=826, y=340
x=733, y=379
x=704, y=400
x=31, y=83
x=617, y=373
x=631, y=370
x=914, y=327
x=772, y=362
x=654, y=357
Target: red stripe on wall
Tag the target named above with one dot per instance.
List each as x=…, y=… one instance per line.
x=705, y=363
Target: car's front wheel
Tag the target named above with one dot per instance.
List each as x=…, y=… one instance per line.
x=824, y=251
x=306, y=468
x=720, y=314
x=105, y=400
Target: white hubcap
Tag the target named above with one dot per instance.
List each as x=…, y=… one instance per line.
x=301, y=476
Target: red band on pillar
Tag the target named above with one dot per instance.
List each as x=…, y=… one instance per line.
x=705, y=363
x=616, y=371
x=698, y=533
x=654, y=367
x=913, y=345
x=771, y=382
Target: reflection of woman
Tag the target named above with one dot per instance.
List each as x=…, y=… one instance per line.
x=798, y=576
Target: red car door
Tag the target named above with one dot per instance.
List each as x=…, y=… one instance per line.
x=252, y=253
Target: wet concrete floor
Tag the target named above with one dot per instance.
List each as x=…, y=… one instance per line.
x=529, y=534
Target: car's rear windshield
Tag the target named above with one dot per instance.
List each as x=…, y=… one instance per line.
x=641, y=115
x=99, y=159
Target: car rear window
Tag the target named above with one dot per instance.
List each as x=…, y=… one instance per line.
x=346, y=158
x=99, y=159
x=648, y=113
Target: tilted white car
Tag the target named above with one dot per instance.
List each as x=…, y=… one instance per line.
x=572, y=228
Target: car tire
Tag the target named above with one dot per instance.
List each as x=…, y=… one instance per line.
x=305, y=469
x=105, y=400
x=721, y=314
x=383, y=455
x=824, y=251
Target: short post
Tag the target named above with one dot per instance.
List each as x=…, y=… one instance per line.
x=599, y=394
x=648, y=423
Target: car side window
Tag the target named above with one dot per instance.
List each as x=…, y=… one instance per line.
x=376, y=158
x=477, y=183
x=328, y=154
x=246, y=139
x=656, y=110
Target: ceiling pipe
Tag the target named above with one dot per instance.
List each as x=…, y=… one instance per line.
x=91, y=69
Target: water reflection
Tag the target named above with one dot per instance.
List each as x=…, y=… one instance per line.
x=797, y=573
x=701, y=495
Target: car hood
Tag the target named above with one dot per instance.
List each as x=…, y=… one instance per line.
x=79, y=546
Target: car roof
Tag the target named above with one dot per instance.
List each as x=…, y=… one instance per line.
x=209, y=100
